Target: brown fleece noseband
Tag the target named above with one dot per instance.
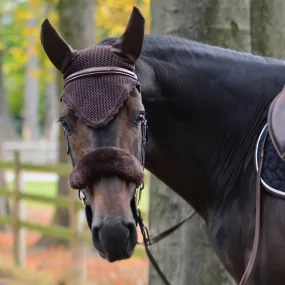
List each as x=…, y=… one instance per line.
x=106, y=161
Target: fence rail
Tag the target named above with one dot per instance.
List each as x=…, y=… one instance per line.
x=59, y=200
x=17, y=220
x=60, y=169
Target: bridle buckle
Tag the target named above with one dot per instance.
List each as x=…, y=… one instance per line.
x=82, y=197
x=144, y=230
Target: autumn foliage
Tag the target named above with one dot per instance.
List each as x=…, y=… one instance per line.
x=19, y=38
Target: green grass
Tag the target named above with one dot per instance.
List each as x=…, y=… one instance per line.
x=48, y=189
x=43, y=188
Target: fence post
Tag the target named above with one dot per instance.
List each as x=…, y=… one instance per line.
x=77, y=275
x=17, y=214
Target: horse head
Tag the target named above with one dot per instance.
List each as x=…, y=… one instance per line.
x=104, y=121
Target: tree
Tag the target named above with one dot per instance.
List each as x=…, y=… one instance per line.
x=112, y=16
x=186, y=254
x=51, y=106
x=31, y=129
x=24, y=56
x=79, y=32
x=3, y=202
x=7, y=131
x=268, y=27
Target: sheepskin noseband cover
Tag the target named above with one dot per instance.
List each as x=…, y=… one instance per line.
x=106, y=161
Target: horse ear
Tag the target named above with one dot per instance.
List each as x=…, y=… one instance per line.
x=57, y=50
x=129, y=45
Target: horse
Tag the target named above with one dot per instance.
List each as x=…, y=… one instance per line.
x=205, y=107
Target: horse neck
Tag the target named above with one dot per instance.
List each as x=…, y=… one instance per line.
x=204, y=114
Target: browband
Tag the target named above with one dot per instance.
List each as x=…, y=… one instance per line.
x=100, y=71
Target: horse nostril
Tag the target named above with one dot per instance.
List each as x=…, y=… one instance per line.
x=96, y=231
x=132, y=233
x=95, y=235
x=131, y=227
x=115, y=240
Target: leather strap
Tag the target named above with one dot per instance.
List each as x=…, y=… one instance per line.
x=100, y=71
x=169, y=231
x=147, y=242
x=155, y=265
x=253, y=254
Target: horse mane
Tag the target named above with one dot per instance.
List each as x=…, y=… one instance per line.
x=182, y=64
x=159, y=45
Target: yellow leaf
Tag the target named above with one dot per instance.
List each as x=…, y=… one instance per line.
x=22, y=14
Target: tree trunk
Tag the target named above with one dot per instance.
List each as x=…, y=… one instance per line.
x=51, y=127
x=228, y=24
x=31, y=129
x=268, y=27
x=186, y=254
x=7, y=131
x=79, y=32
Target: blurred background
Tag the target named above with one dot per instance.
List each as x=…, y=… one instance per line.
x=43, y=232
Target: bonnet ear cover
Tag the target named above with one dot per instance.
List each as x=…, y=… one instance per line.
x=128, y=47
x=57, y=50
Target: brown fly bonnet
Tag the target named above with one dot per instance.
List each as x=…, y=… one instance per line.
x=97, y=81
x=96, y=95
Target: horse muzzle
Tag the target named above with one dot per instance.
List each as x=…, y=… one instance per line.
x=113, y=228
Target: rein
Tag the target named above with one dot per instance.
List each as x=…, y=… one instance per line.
x=253, y=255
x=147, y=241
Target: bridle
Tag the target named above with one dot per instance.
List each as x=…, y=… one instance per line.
x=147, y=241
x=138, y=188
x=134, y=206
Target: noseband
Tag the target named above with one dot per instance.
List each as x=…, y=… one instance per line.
x=138, y=188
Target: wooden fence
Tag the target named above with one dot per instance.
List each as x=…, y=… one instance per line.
x=72, y=234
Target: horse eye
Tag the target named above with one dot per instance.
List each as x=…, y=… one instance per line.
x=66, y=126
x=139, y=119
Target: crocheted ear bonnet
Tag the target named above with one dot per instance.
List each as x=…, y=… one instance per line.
x=97, y=98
